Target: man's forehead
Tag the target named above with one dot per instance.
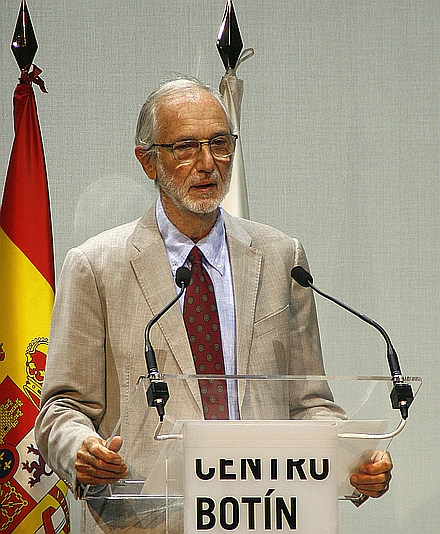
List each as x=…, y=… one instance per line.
x=195, y=106
x=191, y=99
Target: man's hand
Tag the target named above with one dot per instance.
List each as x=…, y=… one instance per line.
x=96, y=464
x=373, y=478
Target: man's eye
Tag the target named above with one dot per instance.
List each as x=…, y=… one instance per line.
x=219, y=142
x=186, y=145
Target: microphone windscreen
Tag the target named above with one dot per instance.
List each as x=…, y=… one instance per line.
x=301, y=276
x=183, y=277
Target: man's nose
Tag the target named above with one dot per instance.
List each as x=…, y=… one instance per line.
x=205, y=158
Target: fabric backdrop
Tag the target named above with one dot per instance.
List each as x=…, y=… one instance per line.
x=341, y=147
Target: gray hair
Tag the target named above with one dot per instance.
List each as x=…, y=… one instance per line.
x=147, y=126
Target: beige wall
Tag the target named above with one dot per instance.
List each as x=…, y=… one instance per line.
x=340, y=135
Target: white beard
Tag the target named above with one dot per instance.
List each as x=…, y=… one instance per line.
x=178, y=194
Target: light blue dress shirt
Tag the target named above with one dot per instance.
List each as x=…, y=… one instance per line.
x=216, y=261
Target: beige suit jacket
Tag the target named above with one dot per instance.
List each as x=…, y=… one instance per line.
x=111, y=286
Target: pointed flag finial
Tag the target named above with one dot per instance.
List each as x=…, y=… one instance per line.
x=24, y=43
x=229, y=42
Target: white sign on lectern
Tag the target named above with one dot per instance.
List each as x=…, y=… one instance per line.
x=260, y=477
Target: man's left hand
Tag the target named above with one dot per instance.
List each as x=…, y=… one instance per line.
x=373, y=478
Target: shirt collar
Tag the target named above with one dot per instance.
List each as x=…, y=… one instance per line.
x=178, y=245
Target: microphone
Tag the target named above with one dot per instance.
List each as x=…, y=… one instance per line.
x=401, y=394
x=157, y=393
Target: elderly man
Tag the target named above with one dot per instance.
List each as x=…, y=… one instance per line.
x=111, y=286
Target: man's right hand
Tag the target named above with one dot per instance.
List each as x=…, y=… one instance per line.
x=98, y=464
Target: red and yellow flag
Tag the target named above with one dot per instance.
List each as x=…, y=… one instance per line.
x=32, y=498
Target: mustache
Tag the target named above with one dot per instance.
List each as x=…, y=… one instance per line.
x=213, y=177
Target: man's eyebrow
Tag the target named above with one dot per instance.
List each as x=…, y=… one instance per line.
x=188, y=138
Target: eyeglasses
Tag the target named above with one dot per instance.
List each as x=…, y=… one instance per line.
x=221, y=147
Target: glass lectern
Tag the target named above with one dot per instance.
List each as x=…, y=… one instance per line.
x=245, y=475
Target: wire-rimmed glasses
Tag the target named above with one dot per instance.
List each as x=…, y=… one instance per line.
x=221, y=147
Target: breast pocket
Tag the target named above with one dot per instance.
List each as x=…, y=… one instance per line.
x=274, y=321
x=270, y=344
x=269, y=355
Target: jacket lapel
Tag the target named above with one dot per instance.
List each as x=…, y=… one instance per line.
x=246, y=262
x=152, y=269
x=150, y=263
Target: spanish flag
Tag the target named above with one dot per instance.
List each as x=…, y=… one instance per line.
x=33, y=499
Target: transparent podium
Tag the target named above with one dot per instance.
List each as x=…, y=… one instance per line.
x=284, y=473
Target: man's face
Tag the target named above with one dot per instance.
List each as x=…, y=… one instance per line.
x=200, y=185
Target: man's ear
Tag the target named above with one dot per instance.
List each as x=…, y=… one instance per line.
x=148, y=162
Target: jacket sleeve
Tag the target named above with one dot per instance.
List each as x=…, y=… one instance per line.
x=73, y=396
x=310, y=399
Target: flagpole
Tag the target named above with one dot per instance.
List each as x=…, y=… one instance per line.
x=230, y=47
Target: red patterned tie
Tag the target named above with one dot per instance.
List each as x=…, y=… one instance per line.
x=203, y=327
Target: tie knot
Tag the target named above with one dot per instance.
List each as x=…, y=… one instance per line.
x=195, y=256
